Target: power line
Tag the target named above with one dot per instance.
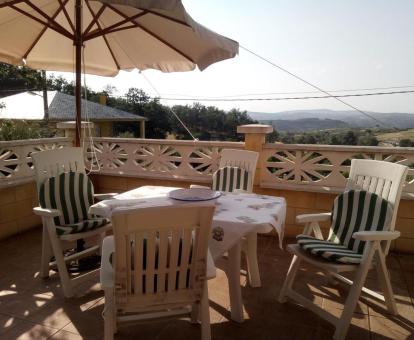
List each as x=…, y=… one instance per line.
x=292, y=92
x=314, y=86
x=286, y=98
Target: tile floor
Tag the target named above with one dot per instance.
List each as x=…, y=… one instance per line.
x=31, y=308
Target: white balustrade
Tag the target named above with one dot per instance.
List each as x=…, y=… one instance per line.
x=324, y=168
x=321, y=168
x=16, y=165
x=159, y=159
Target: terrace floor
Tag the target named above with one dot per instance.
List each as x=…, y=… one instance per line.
x=31, y=308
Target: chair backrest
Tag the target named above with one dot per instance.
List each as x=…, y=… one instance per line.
x=358, y=210
x=160, y=256
x=232, y=178
x=242, y=159
x=383, y=178
x=51, y=163
x=71, y=193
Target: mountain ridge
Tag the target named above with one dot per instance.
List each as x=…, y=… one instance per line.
x=299, y=119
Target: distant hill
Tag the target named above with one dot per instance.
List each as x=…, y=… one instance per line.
x=306, y=124
x=330, y=117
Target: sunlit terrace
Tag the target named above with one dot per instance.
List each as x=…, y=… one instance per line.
x=307, y=176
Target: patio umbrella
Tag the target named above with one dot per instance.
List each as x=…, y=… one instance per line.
x=106, y=36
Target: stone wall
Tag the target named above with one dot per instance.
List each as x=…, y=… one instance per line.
x=16, y=209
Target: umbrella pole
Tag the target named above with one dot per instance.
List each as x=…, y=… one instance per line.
x=78, y=69
x=80, y=244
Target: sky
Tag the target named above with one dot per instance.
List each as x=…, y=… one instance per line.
x=336, y=45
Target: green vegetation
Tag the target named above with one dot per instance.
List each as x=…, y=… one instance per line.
x=16, y=130
x=330, y=137
x=205, y=122
x=400, y=138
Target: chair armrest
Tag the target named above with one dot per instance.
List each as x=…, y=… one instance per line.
x=101, y=197
x=196, y=186
x=107, y=270
x=305, y=218
x=45, y=212
x=376, y=235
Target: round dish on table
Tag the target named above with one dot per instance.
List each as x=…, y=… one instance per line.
x=194, y=194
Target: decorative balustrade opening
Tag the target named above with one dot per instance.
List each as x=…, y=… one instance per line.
x=324, y=168
x=161, y=159
x=16, y=165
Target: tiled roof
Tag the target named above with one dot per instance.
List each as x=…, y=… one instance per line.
x=29, y=106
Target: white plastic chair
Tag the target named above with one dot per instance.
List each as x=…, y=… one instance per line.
x=386, y=180
x=155, y=265
x=246, y=160
x=48, y=164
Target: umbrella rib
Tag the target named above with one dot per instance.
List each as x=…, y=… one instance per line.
x=104, y=37
x=62, y=5
x=47, y=17
x=113, y=28
x=58, y=29
x=95, y=17
x=67, y=15
x=11, y=3
x=152, y=33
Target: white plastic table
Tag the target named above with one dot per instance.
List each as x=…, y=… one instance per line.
x=236, y=216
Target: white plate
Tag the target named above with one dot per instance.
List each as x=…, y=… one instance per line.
x=194, y=194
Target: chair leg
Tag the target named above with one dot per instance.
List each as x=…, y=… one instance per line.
x=109, y=315
x=46, y=254
x=290, y=278
x=233, y=276
x=252, y=262
x=101, y=238
x=353, y=296
x=384, y=279
x=205, y=315
x=195, y=312
x=60, y=262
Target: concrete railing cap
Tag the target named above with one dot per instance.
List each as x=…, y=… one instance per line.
x=255, y=128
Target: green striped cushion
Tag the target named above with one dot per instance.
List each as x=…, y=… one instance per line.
x=231, y=178
x=353, y=211
x=328, y=250
x=358, y=210
x=85, y=225
x=72, y=194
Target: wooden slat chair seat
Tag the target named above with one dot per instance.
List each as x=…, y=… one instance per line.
x=353, y=211
x=72, y=194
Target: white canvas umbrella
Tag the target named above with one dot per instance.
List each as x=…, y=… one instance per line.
x=113, y=35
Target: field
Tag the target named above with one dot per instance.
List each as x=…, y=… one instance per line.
x=395, y=137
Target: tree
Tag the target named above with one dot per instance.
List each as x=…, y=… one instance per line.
x=350, y=138
x=405, y=142
x=16, y=79
x=15, y=130
x=368, y=139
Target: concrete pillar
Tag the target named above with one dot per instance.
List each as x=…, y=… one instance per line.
x=69, y=129
x=106, y=129
x=254, y=138
x=142, y=129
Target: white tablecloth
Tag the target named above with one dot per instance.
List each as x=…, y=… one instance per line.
x=236, y=215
